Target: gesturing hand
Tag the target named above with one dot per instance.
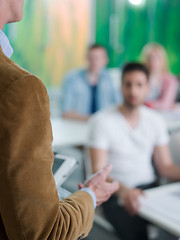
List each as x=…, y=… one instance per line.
x=98, y=184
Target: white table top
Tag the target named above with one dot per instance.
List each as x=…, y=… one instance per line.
x=172, y=119
x=75, y=133
x=157, y=217
x=69, y=132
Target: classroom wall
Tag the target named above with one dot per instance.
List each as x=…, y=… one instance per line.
x=51, y=38
x=124, y=29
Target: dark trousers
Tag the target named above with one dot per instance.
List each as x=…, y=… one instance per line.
x=126, y=226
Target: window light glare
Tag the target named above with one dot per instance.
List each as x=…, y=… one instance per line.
x=136, y=2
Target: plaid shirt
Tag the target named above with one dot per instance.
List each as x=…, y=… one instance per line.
x=5, y=45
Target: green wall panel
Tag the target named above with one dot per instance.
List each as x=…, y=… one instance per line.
x=156, y=21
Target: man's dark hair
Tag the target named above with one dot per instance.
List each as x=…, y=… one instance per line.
x=135, y=66
x=96, y=46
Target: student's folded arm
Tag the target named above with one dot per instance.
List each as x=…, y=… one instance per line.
x=29, y=203
x=168, y=95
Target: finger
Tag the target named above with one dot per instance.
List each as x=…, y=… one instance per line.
x=129, y=209
x=99, y=203
x=93, y=178
x=103, y=199
x=80, y=185
x=105, y=195
x=99, y=176
x=143, y=193
x=133, y=208
x=132, y=205
x=109, y=188
x=140, y=191
x=137, y=194
x=136, y=205
x=106, y=171
x=102, y=175
x=135, y=200
x=114, y=186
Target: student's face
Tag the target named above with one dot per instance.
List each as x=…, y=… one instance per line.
x=97, y=59
x=134, y=88
x=154, y=61
x=15, y=10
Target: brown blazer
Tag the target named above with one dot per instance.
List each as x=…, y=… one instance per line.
x=29, y=204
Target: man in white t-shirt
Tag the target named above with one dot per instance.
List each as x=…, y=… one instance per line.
x=129, y=137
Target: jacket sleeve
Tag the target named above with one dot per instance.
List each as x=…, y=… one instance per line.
x=29, y=203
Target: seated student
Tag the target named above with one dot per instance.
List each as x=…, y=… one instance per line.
x=127, y=136
x=163, y=84
x=89, y=90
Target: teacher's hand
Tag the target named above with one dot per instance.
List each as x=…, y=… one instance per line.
x=98, y=184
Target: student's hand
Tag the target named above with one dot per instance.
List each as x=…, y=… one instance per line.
x=98, y=184
x=130, y=199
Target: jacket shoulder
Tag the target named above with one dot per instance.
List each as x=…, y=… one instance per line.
x=10, y=72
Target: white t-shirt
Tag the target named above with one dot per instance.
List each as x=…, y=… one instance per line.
x=129, y=150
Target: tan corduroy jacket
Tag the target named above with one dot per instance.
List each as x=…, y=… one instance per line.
x=29, y=204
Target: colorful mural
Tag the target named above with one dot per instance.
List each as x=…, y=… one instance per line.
x=52, y=37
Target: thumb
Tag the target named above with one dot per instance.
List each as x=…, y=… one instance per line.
x=115, y=186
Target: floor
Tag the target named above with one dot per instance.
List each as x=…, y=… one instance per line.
x=99, y=233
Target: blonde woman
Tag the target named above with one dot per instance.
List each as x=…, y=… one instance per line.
x=163, y=85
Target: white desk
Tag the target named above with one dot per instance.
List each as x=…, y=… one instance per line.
x=69, y=133
x=156, y=217
x=172, y=119
x=75, y=133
